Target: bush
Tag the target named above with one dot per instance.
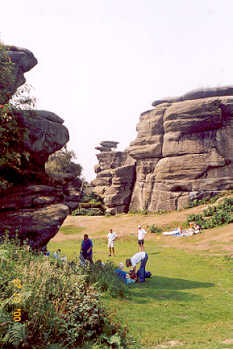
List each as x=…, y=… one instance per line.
x=214, y=216
x=106, y=279
x=59, y=305
x=155, y=229
x=87, y=212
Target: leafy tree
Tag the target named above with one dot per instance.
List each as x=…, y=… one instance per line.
x=23, y=98
x=12, y=154
x=61, y=165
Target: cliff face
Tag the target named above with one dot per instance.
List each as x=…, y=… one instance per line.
x=183, y=151
x=34, y=207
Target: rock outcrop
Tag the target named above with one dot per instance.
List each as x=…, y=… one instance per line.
x=183, y=151
x=35, y=206
x=19, y=62
x=115, y=179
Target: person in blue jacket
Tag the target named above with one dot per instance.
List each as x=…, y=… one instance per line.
x=86, y=248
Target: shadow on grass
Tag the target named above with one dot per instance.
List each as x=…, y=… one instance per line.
x=164, y=288
x=175, y=283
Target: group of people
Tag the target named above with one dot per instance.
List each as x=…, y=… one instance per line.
x=140, y=257
x=193, y=229
x=57, y=255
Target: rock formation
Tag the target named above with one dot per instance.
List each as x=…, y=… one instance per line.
x=115, y=178
x=34, y=207
x=183, y=151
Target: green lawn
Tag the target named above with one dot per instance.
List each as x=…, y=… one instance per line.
x=188, y=302
x=71, y=230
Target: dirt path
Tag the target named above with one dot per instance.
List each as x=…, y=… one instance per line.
x=218, y=240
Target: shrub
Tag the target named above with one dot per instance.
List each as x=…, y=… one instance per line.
x=155, y=229
x=87, y=212
x=105, y=278
x=215, y=215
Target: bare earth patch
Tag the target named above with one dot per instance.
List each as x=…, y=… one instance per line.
x=169, y=344
x=227, y=341
x=218, y=240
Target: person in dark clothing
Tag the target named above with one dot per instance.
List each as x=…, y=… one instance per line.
x=86, y=248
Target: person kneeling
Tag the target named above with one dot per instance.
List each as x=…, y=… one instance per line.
x=137, y=258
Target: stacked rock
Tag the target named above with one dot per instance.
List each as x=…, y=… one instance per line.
x=106, y=146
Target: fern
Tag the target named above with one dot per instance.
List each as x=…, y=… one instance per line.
x=16, y=335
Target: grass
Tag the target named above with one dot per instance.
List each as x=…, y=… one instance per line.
x=70, y=230
x=188, y=302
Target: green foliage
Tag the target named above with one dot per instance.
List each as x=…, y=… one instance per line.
x=12, y=155
x=69, y=230
x=147, y=212
x=105, y=278
x=7, y=73
x=154, y=229
x=61, y=166
x=214, y=216
x=87, y=212
x=90, y=205
x=60, y=303
x=23, y=99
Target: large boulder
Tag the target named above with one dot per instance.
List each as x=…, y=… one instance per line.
x=20, y=62
x=45, y=133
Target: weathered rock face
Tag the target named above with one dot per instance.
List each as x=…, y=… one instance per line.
x=23, y=60
x=115, y=178
x=45, y=134
x=183, y=151
x=35, y=207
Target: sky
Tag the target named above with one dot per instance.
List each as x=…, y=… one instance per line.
x=101, y=63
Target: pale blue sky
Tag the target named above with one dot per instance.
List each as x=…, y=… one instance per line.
x=102, y=62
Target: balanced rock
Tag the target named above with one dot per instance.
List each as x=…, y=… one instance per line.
x=103, y=148
x=110, y=144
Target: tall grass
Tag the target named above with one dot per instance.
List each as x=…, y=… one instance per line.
x=57, y=304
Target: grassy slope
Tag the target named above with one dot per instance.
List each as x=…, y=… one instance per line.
x=188, y=302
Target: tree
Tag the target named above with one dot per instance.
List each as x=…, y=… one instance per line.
x=61, y=165
x=23, y=98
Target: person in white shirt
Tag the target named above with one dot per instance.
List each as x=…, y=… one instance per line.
x=112, y=236
x=137, y=258
x=141, y=235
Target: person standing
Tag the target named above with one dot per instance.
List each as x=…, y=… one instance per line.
x=86, y=248
x=140, y=257
x=141, y=235
x=112, y=236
